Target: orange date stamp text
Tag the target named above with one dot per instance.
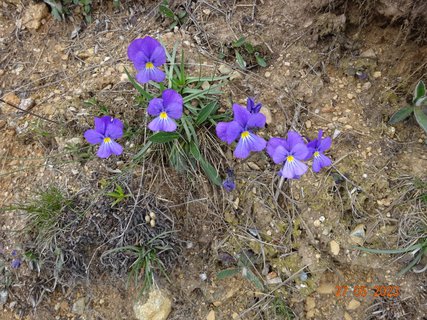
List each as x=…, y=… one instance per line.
x=362, y=291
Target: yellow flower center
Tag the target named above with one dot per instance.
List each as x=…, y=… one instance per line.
x=290, y=158
x=149, y=65
x=107, y=140
x=316, y=154
x=245, y=134
x=163, y=115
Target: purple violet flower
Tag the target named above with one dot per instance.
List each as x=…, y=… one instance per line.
x=228, y=183
x=316, y=148
x=252, y=107
x=16, y=263
x=147, y=55
x=165, y=109
x=106, y=130
x=240, y=128
x=291, y=151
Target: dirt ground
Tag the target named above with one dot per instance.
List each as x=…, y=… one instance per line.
x=341, y=66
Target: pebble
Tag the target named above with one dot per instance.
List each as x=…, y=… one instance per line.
x=335, y=247
x=310, y=303
x=3, y=297
x=347, y=316
x=326, y=288
x=79, y=306
x=266, y=111
x=317, y=223
x=308, y=124
x=358, y=235
x=353, y=304
x=157, y=307
x=223, y=69
x=367, y=86
x=377, y=74
x=267, y=74
x=211, y=315
x=350, y=96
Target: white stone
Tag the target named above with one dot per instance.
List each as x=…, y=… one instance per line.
x=157, y=307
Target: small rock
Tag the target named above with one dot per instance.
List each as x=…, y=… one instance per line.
x=350, y=96
x=34, y=14
x=335, y=247
x=308, y=124
x=79, y=306
x=326, y=288
x=377, y=74
x=366, y=86
x=223, y=69
x=353, y=304
x=11, y=98
x=236, y=75
x=211, y=315
x=253, y=166
x=347, y=316
x=206, y=85
x=157, y=307
x=317, y=223
x=310, y=303
x=358, y=235
x=368, y=54
x=267, y=74
x=26, y=104
x=265, y=111
x=3, y=297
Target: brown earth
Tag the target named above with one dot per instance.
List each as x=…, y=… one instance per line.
x=314, y=52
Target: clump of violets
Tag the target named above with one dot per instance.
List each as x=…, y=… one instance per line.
x=165, y=109
x=107, y=129
x=242, y=129
x=290, y=152
x=147, y=55
x=316, y=148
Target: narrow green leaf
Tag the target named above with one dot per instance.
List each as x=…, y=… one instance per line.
x=195, y=152
x=141, y=152
x=203, y=79
x=163, y=137
x=141, y=91
x=227, y=273
x=164, y=10
x=421, y=117
x=206, y=112
x=240, y=61
x=249, y=48
x=261, y=61
x=389, y=251
x=239, y=43
x=186, y=129
x=210, y=172
x=421, y=102
x=413, y=263
x=254, y=279
x=420, y=90
x=401, y=115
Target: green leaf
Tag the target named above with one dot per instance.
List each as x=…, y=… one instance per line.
x=164, y=10
x=195, y=152
x=141, y=152
x=401, y=115
x=421, y=102
x=240, y=61
x=390, y=251
x=254, y=279
x=420, y=90
x=227, y=273
x=260, y=60
x=141, y=91
x=163, y=137
x=249, y=48
x=239, y=43
x=206, y=112
x=210, y=171
x=421, y=117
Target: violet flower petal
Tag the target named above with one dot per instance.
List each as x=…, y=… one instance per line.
x=273, y=143
x=93, y=136
x=158, y=56
x=241, y=115
x=299, y=151
x=173, y=103
x=325, y=144
x=293, y=169
x=256, y=120
x=320, y=162
x=114, y=129
x=293, y=139
x=155, y=106
x=158, y=124
x=228, y=131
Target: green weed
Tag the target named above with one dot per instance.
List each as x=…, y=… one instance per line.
x=419, y=102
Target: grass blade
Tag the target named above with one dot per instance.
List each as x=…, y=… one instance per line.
x=141, y=91
x=421, y=117
x=227, y=273
x=390, y=251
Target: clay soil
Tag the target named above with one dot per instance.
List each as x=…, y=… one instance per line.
x=341, y=66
